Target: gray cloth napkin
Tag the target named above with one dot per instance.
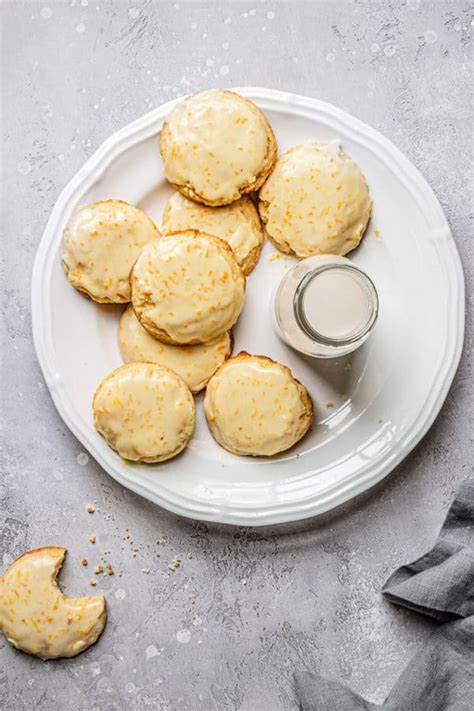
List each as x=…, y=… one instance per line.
x=439, y=584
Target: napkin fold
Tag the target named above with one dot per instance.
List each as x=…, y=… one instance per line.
x=439, y=584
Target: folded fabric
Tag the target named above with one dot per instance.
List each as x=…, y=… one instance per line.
x=439, y=584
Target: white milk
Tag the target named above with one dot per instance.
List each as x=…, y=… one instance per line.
x=336, y=305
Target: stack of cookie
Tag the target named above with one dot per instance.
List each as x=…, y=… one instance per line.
x=186, y=284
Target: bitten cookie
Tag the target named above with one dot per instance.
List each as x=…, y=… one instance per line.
x=238, y=224
x=145, y=412
x=194, y=364
x=316, y=201
x=100, y=245
x=187, y=288
x=254, y=406
x=37, y=618
x=217, y=146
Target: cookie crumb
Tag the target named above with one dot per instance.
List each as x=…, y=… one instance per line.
x=274, y=257
x=328, y=403
x=92, y=581
x=110, y=570
x=92, y=538
x=175, y=563
x=348, y=366
x=90, y=508
x=84, y=562
x=99, y=569
x=190, y=555
x=377, y=233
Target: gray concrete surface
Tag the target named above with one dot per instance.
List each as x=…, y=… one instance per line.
x=228, y=628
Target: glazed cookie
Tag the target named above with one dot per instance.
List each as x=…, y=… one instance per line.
x=238, y=224
x=145, y=412
x=316, y=201
x=187, y=288
x=194, y=364
x=37, y=618
x=217, y=146
x=100, y=245
x=254, y=406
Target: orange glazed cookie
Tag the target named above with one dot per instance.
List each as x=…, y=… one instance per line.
x=238, y=224
x=316, y=201
x=100, y=245
x=37, y=618
x=187, y=288
x=254, y=406
x=145, y=412
x=194, y=364
x=217, y=146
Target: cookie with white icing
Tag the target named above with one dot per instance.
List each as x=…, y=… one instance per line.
x=145, y=412
x=36, y=617
x=238, y=224
x=316, y=201
x=216, y=146
x=254, y=406
x=100, y=245
x=187, y=288
x=194, y=364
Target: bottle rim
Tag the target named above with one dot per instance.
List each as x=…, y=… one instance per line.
x=298, y=306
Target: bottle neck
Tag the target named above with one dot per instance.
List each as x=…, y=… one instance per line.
x=308, y=290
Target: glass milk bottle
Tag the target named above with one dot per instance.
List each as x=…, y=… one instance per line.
x=325, y=306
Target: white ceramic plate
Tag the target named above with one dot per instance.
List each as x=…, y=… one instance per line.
x=385, y=396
